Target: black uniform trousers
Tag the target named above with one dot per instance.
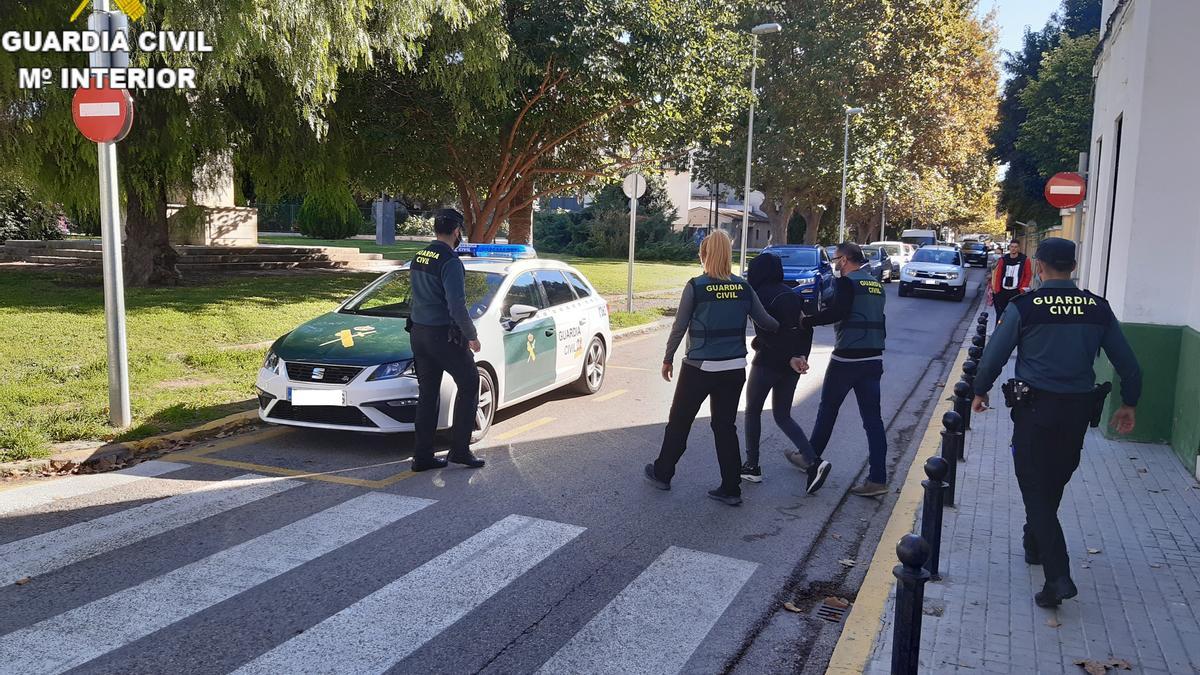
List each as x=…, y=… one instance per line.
x=1047, y=440
x=723, y=389
x=435, y=355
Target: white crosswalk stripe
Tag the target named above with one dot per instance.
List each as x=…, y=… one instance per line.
x=376, y=632
x=37, y=494
x=87, y=632
x=40, y=554
x=657, y=622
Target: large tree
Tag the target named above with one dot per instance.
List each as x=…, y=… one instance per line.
x=272, y=76
x=573, y=94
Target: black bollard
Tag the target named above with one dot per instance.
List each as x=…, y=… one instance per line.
x=931, y=514
x=951, y=442
x=984, y=317
x=910, y=596
x=981, y=331
x=979, y=341
x=962, y=406
x=969, y=368
x=975, y=353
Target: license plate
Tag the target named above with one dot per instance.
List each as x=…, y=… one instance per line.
x=931, y=282
x=317, y=397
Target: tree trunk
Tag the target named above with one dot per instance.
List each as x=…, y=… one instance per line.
x=812, y=214
x=520, y=222
x=149, y=258
x=779, y=216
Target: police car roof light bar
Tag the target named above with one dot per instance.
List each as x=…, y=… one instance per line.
x=510, y=251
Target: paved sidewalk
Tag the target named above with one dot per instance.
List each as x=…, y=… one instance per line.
x=1132, y=519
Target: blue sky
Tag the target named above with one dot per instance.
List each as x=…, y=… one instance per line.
x=1014, y=15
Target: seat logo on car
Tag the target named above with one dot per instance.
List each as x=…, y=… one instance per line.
x=346, y=336
x=318, y=373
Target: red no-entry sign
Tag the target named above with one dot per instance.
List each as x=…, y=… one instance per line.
x=103, y=114
x=1065, y=190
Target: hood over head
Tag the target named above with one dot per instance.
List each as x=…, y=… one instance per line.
x=765, y=269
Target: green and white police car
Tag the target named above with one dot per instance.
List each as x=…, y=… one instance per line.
x=541, y=325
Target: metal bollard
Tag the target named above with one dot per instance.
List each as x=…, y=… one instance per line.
x=983, y=317
x=931, y=514
x=981, y=331
x=951, y=442
x=962, y=406
x=910, y=596
x=979, y=341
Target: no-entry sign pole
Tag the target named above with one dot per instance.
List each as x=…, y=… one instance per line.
x=114, y=280
x=633, y=186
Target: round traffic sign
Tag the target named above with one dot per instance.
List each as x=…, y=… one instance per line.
x=1065, y=190
x=634, y=185
x=102, y=114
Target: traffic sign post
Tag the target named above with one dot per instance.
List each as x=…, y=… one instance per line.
x=105, y=116
x=633, y=186
x=1065, y=190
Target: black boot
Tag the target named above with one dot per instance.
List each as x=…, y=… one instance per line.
x=1055, y=591
x=466, y=458
x=1032, y=557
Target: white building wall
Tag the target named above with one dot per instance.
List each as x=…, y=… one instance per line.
x=1142, y=80
x=679, y=190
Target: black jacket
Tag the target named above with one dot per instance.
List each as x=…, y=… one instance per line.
x=776, y=349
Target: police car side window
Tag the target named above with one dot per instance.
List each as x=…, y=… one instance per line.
x=524, y=291
x=581, y=288
x=558, y=291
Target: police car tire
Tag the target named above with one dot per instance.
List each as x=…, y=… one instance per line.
x=960, y=294
x=485, y=379
x=903, y=291
x=584, y=385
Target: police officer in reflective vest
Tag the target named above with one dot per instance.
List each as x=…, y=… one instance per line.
x=857, y=362
x=713, y=313
x=1058, y=331
x=443, y=337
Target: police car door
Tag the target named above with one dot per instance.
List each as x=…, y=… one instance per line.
x=530, y=346
x=570, y=320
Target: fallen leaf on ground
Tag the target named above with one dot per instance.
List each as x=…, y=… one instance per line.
x=791, y=607
x=835, y=535
x=1053, y=622
x=848, y=562
x=1086, y=566
x=1142, y=469
x=1155, y=565
x=1093, y=551
x=1119, y=663
x=23, y=580
x=834, y=601
x=1091, y=667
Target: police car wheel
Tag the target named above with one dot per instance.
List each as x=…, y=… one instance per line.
x=960, y=293
x=595, y=363
x=903, y=290
x=486, y=410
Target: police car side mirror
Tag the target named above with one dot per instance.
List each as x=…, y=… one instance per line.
x=518, y=313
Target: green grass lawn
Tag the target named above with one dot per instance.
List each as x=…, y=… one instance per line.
x=194, y=350
x=609, y=276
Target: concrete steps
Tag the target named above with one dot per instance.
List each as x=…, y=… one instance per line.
x=208, y=258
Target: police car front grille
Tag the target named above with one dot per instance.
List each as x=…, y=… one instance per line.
x=321, y=414
x=931, y=275
x=303, y=372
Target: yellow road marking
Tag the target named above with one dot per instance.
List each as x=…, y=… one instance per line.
x=328, y=477
x=609, y=397
x=644, y=370
x=234, y=441
x=853, y=648
x=522, y=429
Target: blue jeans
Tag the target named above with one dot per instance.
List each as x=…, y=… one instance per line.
x=781, y=385
x=863, y=378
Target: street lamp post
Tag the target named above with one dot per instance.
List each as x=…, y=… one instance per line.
x=845, y=160
x=761, y=29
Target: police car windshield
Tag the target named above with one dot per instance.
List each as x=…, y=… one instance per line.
x=931, y=255
x=795, y=257
x=391, y=296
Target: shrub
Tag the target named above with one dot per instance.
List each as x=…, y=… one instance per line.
x=329, y=213
x=414, y=226
x=23, y=217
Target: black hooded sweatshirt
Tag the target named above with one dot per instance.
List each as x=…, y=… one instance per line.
x=776, y=349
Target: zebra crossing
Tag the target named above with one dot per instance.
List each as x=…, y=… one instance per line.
x=652, y=625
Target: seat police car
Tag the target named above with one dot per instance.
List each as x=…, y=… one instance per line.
x=541, y=325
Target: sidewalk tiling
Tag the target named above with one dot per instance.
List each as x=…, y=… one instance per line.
x=1131, y=515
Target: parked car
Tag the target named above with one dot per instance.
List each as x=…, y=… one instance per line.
x=935, y=269
x=919, y=238
x=898, y=251
x=541, y=323
x=879, y=263
x=808, y=270
x=974, y=253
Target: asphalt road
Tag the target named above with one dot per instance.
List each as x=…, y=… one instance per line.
x=555, y=557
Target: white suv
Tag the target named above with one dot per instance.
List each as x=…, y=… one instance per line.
x=935, y=269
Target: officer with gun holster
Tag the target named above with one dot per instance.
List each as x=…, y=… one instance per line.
x=1058, y=331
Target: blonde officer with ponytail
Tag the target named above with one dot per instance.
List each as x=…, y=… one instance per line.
x=712, y=312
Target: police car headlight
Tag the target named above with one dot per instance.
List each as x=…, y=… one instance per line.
x=952, y=275
x=271, y=363
x=390, y=371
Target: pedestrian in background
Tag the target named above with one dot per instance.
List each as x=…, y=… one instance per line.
x=1057, y=330
x=1011, y=277
x=712, y=312
x=443, y=339
x=780, y=358
x=857, y=361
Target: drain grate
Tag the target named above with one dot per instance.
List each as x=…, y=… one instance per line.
x=833, y=610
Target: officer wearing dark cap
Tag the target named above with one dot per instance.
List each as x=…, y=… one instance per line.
x=443, y=337
x=1058, y=331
